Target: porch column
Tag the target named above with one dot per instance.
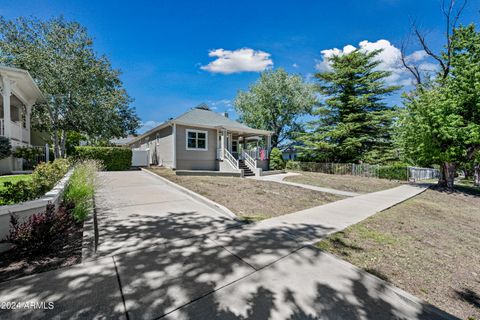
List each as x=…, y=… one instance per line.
x=27, y=117
x=224, y=142
x=6, y=92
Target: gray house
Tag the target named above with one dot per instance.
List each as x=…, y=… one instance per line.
x=201, y=139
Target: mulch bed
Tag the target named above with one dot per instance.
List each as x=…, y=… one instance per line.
x=64, y=252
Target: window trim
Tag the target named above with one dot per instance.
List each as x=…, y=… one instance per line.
x=187, y=131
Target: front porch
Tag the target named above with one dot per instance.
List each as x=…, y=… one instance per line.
x=245, y=152
x=15, y=112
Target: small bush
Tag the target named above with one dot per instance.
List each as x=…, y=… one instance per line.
x=292, y=165
x=81, y=187
x=40, y=230
x=29, y=154
x=276, y=160
x=112, y=158
x=43, y=179
x=5, y=147
x=393, y=172
x=46, y=175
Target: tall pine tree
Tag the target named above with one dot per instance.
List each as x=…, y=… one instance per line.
x=353, y=123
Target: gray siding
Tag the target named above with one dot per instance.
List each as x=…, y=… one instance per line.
x=196, y=159
x=164, y=148
x=160, y=144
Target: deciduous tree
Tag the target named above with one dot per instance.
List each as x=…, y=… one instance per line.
x=276, y=102
x=83, y=92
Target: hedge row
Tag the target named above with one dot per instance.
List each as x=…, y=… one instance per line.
x=394, y=172
x=112, y=158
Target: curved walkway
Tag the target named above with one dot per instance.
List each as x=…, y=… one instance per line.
x=164, y=255
x=279, y=178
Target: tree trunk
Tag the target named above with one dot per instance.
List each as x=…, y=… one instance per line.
x=476, y=179
x=63, y=143
x=447, y=175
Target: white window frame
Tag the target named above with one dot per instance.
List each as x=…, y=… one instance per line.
x=187, y=131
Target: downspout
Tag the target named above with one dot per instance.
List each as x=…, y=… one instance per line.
x=174, y=146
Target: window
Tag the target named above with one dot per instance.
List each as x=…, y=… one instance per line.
x=197, y=140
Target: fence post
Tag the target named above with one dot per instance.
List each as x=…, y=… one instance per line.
x=47, y=153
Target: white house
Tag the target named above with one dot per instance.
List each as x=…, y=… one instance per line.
x=19, y=95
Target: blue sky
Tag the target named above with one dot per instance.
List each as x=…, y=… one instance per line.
x=163, y=47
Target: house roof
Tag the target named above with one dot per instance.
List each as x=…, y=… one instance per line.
x=203, y=117
x=24, y=81
x=122, y=141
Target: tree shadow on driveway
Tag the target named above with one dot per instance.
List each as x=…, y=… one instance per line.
x=190, y=272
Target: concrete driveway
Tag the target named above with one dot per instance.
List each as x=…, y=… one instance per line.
x=162, y=254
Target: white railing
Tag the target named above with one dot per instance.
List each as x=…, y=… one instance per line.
x=2, y=127
x=231, y=159
x=249, y=161
x=252, y=153
x=219, y=154
x=416, y=173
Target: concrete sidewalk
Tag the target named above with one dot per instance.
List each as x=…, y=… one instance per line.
x=280, y=179
x=164, y=255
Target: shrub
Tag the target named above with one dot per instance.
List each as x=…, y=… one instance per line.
x=44, y=178
x=112, y=158
x=393, y=172
x=29, y=154
x=276, y=160
x=292, y=165
x=81, y=187
x=5, y=147
x=39, y=231
x=46, y=175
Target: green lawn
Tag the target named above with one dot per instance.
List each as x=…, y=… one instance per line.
x=13, y=179
x=428, y=245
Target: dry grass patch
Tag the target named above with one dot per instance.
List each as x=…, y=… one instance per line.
x=343, y=182
x=428, y=245
x=248, y=198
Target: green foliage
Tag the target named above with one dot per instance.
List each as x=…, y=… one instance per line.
x=39, y=231
x=353, y=124
x=276, y=160
x=42, y=180
x=29, y=154
x=81, y=188
x=46, y=175
x=5, y=147
x=393, y=172
x=84, y=93
x=112, y=158
x=275, y=103
x=441, y=121
x=292, y=165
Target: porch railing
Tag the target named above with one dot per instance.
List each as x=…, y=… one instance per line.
x=249, y=161
x=228, y=156
x=252, y=153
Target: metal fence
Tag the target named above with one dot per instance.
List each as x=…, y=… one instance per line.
x=415, y=173
x=367, y=170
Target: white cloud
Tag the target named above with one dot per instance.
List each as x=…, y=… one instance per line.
x=240, y=60
x=295, y=65
x=389, y=57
